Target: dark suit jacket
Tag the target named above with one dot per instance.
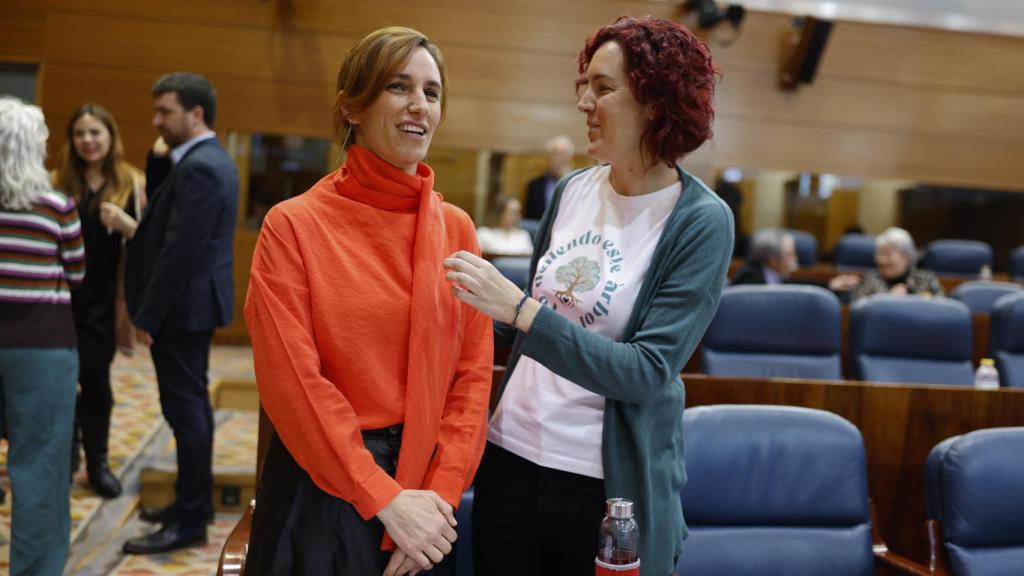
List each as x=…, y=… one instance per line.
x=179, y=271
x=536, y=201
x=750, y=273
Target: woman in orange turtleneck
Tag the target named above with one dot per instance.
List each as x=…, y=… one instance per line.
x=375, y=377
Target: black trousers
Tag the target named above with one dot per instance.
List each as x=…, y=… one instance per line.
x=95, y=399
x=95, y=353
x=181, y=361
x=297, y=528
x=528, y=519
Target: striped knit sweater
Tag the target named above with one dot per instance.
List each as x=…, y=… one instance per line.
x=42, y=258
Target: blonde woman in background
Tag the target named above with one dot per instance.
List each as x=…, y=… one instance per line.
x=503, y=235
x=110, y=193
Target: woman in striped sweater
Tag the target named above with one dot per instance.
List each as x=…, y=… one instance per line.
x=41, y=259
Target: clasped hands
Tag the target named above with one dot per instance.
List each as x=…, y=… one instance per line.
x=422, y=525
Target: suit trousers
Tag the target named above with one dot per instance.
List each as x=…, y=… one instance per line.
x=37, y=407
x=181, y=360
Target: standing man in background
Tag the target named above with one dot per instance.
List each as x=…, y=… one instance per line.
x=179, y=287
x=539, y=191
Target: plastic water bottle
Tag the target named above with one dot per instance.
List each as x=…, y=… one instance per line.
x=618, y=551
x=985, y=273
x=986, y=377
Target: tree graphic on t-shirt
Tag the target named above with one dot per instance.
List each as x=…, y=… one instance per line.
x=578, y=276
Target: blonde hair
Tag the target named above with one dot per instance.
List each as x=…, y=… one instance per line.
x=23, y=135
x=120, y=175
x=370, y=65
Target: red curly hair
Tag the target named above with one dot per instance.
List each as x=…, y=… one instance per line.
x=671, y=70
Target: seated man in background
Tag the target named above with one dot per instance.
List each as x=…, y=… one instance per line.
x=772, y=258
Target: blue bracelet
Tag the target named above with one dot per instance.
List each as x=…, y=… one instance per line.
x=519, y=308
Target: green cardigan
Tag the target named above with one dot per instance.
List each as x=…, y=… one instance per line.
x=642, y=444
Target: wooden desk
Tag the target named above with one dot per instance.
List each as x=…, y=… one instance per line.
x=900, y=425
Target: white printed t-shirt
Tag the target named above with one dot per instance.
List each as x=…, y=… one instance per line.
x=601, y=246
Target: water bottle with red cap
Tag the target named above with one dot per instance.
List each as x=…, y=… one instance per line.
x=618, y=549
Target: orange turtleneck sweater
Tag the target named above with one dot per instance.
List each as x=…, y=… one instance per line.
x=354, y=327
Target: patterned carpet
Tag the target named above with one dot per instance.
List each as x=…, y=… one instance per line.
x=135, y=421
x=190, y=561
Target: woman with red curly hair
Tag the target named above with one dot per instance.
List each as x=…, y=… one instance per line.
x=628, y=268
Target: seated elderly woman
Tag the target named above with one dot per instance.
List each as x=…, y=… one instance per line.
x=772, y=258
x=895, y=260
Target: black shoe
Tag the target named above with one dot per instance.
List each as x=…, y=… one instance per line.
x=164, y=515
x=156, y=515
x=169, y=537
x=103, y=481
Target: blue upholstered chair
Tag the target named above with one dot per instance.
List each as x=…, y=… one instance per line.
x=531, y=226
x=957, y=257
x=464, y=542
x=854, y=252
x=1006, y=339
x=774, y=331
x=806, y=247
x=1017, y=263
x=911, y=339
x=975, y=502
x=515, y=268
x=981, y=295
x=774, y=491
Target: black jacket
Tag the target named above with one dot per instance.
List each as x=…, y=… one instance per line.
x=179, y=270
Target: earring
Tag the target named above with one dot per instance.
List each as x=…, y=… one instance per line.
x=341, y=149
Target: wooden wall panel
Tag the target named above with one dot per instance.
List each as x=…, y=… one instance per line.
x=455, y=176
x=531, y=25
x=254, y=105
x=756, y=143
x=861, y=52
x=137, y=44
x=930, y=58
x=841, y=104
x=22, y=33
x=511, y=78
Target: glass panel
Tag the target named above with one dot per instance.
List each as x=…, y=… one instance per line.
x=18, y=80
x=281, y=167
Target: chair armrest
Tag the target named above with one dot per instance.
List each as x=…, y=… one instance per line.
x=232, y=557
x=936, y=552
x=885, y=557
x=898, y=563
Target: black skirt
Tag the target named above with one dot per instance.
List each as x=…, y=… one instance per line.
x=297, y=528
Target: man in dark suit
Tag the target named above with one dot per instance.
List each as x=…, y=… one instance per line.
x=179, y=286
x=772, y=258
x=539, y=191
